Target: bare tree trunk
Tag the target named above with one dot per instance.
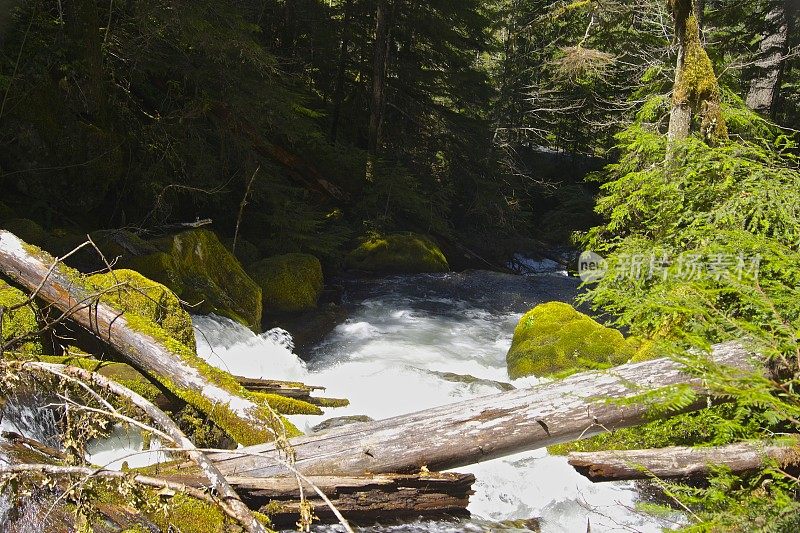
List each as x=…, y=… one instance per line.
x=379, y=65
x=680, y=117
x=764, y=87
x=211, y=391
x=485, y=428
x=682, y=462
x=341, y=71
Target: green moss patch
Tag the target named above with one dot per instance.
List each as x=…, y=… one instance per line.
x=398, y=253
x=554, y=338
x=20, y=322
x=289, y=283
x=148, y=299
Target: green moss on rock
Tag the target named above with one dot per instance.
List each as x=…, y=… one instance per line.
x=554, y=338
x=26, y=229
x=398, y=253
x=246, y=252
x=201, y=270
x=148, y=299
x=20, y=322
x=289, y=283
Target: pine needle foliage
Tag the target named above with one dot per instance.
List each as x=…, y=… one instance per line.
x=703, y=251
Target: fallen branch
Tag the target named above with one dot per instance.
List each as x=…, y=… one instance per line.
x=683, y=462
x=235, y=410
x=485, y=428
x=234, y=507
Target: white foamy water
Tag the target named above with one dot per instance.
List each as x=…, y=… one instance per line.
x=387, y=359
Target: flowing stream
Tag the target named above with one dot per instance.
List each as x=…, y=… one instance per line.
x=408, y=343
x=404, y=339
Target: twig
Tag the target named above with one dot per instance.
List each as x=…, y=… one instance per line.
x=218, y=482
x=241, y=208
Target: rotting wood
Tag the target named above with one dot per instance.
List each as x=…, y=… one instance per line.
x=683, y=462
x=358, y=498
x=233, y=409
x=485, y=428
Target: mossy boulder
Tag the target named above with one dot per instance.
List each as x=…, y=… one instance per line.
x=26, y=229
x=289, y=283
x=246, y=252
x=554, y=338
x=146, y=298
x=399, y=253
x=200, y=270
x=20, y=322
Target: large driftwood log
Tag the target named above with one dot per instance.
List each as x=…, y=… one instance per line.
x=233, y=408
x=360, y=499
x=682, y=462
x=484, y=428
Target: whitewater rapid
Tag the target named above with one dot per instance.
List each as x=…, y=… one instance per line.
x=388, y=357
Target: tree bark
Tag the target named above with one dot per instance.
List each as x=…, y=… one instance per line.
x=484, y=428
x=379, y=65
x=764, y=87
x=341, y=71
x=365, y=498
x=682, y=462
x=680, y=117
x=231, y=407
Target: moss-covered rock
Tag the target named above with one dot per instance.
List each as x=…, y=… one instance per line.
x=554, y=338
x=20, y=322
x=289, y=283
x=398, y=253
x=26, y=229
x=200, y=270
x=148, y=299
x=246, y=252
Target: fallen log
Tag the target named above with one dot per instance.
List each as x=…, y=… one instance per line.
x=176, y=367
x=360, y=499
x=485, y=428
x=683, y=462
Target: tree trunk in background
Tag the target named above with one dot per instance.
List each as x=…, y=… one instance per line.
x=680, y=116
x=379, y=63
x=338, y=92
x=696, y=90
x=764, y=87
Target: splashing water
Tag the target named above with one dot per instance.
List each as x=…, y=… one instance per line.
x=398, y=352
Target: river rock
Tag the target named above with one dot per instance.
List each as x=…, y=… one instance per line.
x=398, y=253
x=289, y=283
x=26, y=229
x=199, y=269
x=554, y=338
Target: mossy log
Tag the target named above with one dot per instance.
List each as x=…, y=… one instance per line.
x=242, y=414
x=359, y=498
x=480, y=429
x=684, y=462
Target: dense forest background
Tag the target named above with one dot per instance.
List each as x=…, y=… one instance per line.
x=468, y=120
